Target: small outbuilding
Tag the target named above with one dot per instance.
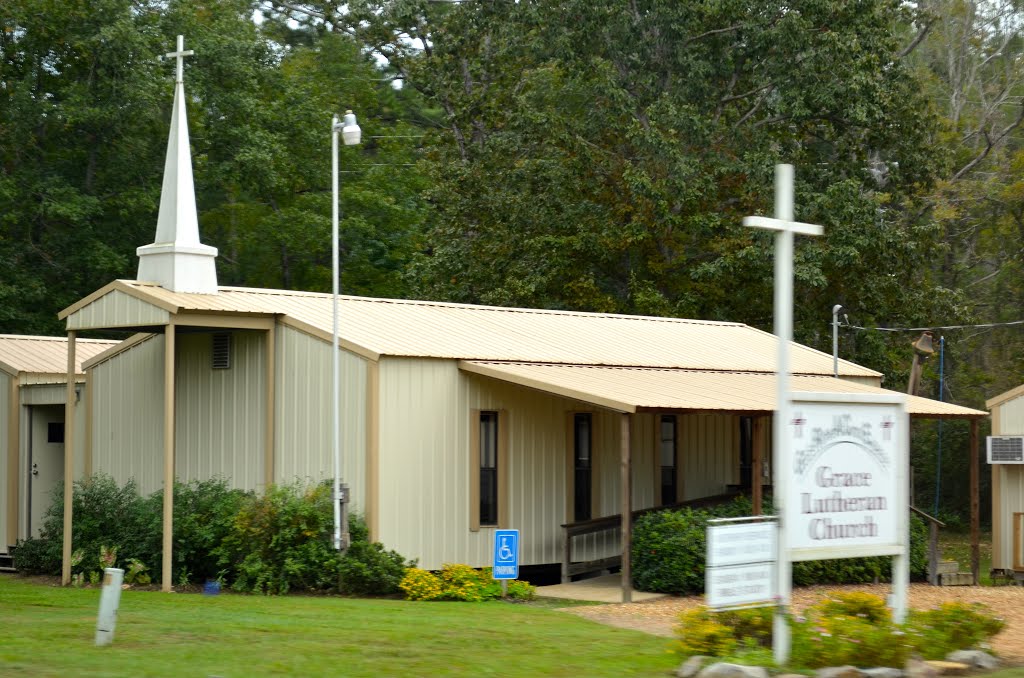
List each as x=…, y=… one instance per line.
x=1006, y=455
x=33, y=394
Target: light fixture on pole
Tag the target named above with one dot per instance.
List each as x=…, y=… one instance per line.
x=835, y=339
x=350, y=134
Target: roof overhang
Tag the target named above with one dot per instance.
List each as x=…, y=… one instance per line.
x=636, y=389
x=1003, y=397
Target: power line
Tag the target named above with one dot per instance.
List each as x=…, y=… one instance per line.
x=933, y=327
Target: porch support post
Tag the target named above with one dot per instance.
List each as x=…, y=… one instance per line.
x=168, y=522
x=757, y=472
x=69, y=460
x=627, y=508
x=14, y=475
x=975, y=508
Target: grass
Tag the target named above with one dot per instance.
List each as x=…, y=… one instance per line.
x=50, y=632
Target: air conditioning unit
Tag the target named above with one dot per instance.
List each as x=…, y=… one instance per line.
x=1005, y=449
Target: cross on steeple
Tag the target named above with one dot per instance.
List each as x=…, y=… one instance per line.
x=180, y=55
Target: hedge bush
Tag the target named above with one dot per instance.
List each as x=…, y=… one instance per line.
x=460, y=582
x=273, y=543
x=669, y=548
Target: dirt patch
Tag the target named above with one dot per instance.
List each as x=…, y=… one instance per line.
x=659, y=616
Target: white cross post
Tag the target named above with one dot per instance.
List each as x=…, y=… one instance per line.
x=784, y=228
x=180, y=55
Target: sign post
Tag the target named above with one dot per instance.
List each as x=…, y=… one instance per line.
x=785, y=227
x=110, y=599
x=506, y=557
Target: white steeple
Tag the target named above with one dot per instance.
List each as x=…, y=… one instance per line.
x=177, y=260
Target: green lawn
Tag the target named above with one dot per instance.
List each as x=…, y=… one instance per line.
x=49, y=631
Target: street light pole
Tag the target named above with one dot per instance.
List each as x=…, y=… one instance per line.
x=350, y=133
x=835, y=339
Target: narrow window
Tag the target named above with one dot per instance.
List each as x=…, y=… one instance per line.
x=489, y=468
x=746, y=452
x=667, y=454
x=582, y=467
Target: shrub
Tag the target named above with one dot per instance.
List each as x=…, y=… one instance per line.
x=701, y=632
x=367, y=568
x=669, y=548
x=859, y=605
x=951, y=626
x=105, y=515
x=282, y=541
x=460, y=582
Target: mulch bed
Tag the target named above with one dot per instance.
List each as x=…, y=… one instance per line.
x=659, y=616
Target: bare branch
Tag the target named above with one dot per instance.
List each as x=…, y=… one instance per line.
x=917, y=39
x=717, y=31
x=990, y=143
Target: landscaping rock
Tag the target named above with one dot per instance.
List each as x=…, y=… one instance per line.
x=726, y=670
x=973, y=658
x=949, y=668
x=691, y=666
x=839, y=672
x=883, y=672
x=915, y=668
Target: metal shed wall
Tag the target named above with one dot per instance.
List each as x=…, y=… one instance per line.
x=302, y=444
x=117, y=309
x=426, y=419
x=1007, y=419
x=8, y=463
x=219, y=413
x=127, y=431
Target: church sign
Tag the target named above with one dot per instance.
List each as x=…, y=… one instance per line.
x=847, y=494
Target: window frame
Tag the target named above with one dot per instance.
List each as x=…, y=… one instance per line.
x=659, y=467
x=501, y=469
x=573, y=468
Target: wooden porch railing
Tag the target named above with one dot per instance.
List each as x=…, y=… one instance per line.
x=607, y=523
x=933, y=544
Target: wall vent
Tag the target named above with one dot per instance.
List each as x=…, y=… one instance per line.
x=1005, y=449
x=222, y=351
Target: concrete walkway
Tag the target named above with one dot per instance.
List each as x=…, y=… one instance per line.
x=606, y=589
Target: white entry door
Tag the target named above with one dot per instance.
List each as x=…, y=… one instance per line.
x=45, y=460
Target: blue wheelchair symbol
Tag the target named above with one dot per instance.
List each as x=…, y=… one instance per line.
x=506, y=554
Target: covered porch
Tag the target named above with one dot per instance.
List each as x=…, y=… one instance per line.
x=626, y=392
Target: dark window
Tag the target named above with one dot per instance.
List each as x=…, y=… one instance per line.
x=667, y=460
x=582, y=466
x=488, y=468
x=55, y=432
x=746, y=452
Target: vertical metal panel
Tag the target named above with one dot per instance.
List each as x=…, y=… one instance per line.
x=128, y=415
x=8, y=464
x=425, y=465
x=709, y=453
x=1008, y=420
x=303, y=450
x=117, y=309
x=219, y=427
x=646, y=464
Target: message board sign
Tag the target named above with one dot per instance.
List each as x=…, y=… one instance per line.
x=740, y=562
x=847, y=488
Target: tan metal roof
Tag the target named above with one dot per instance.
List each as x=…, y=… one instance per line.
x=629, y=389
x=461, y=331
x=995, y=401
x=23, y=354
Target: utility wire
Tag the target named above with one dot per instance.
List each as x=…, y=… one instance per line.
x=933, y=327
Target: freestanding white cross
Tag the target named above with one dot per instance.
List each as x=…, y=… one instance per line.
x=180, y=55
x=784, y=228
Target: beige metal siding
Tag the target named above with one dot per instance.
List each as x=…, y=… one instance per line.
x=709, y=453
x=1008, y=419
x=44, y=394
x=117, y=309
x=303, y=449
x=8, y=464
x=425, y=475
x=128, y=415
x=219, y=413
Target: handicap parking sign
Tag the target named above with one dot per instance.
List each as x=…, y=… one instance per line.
x=506, y=554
